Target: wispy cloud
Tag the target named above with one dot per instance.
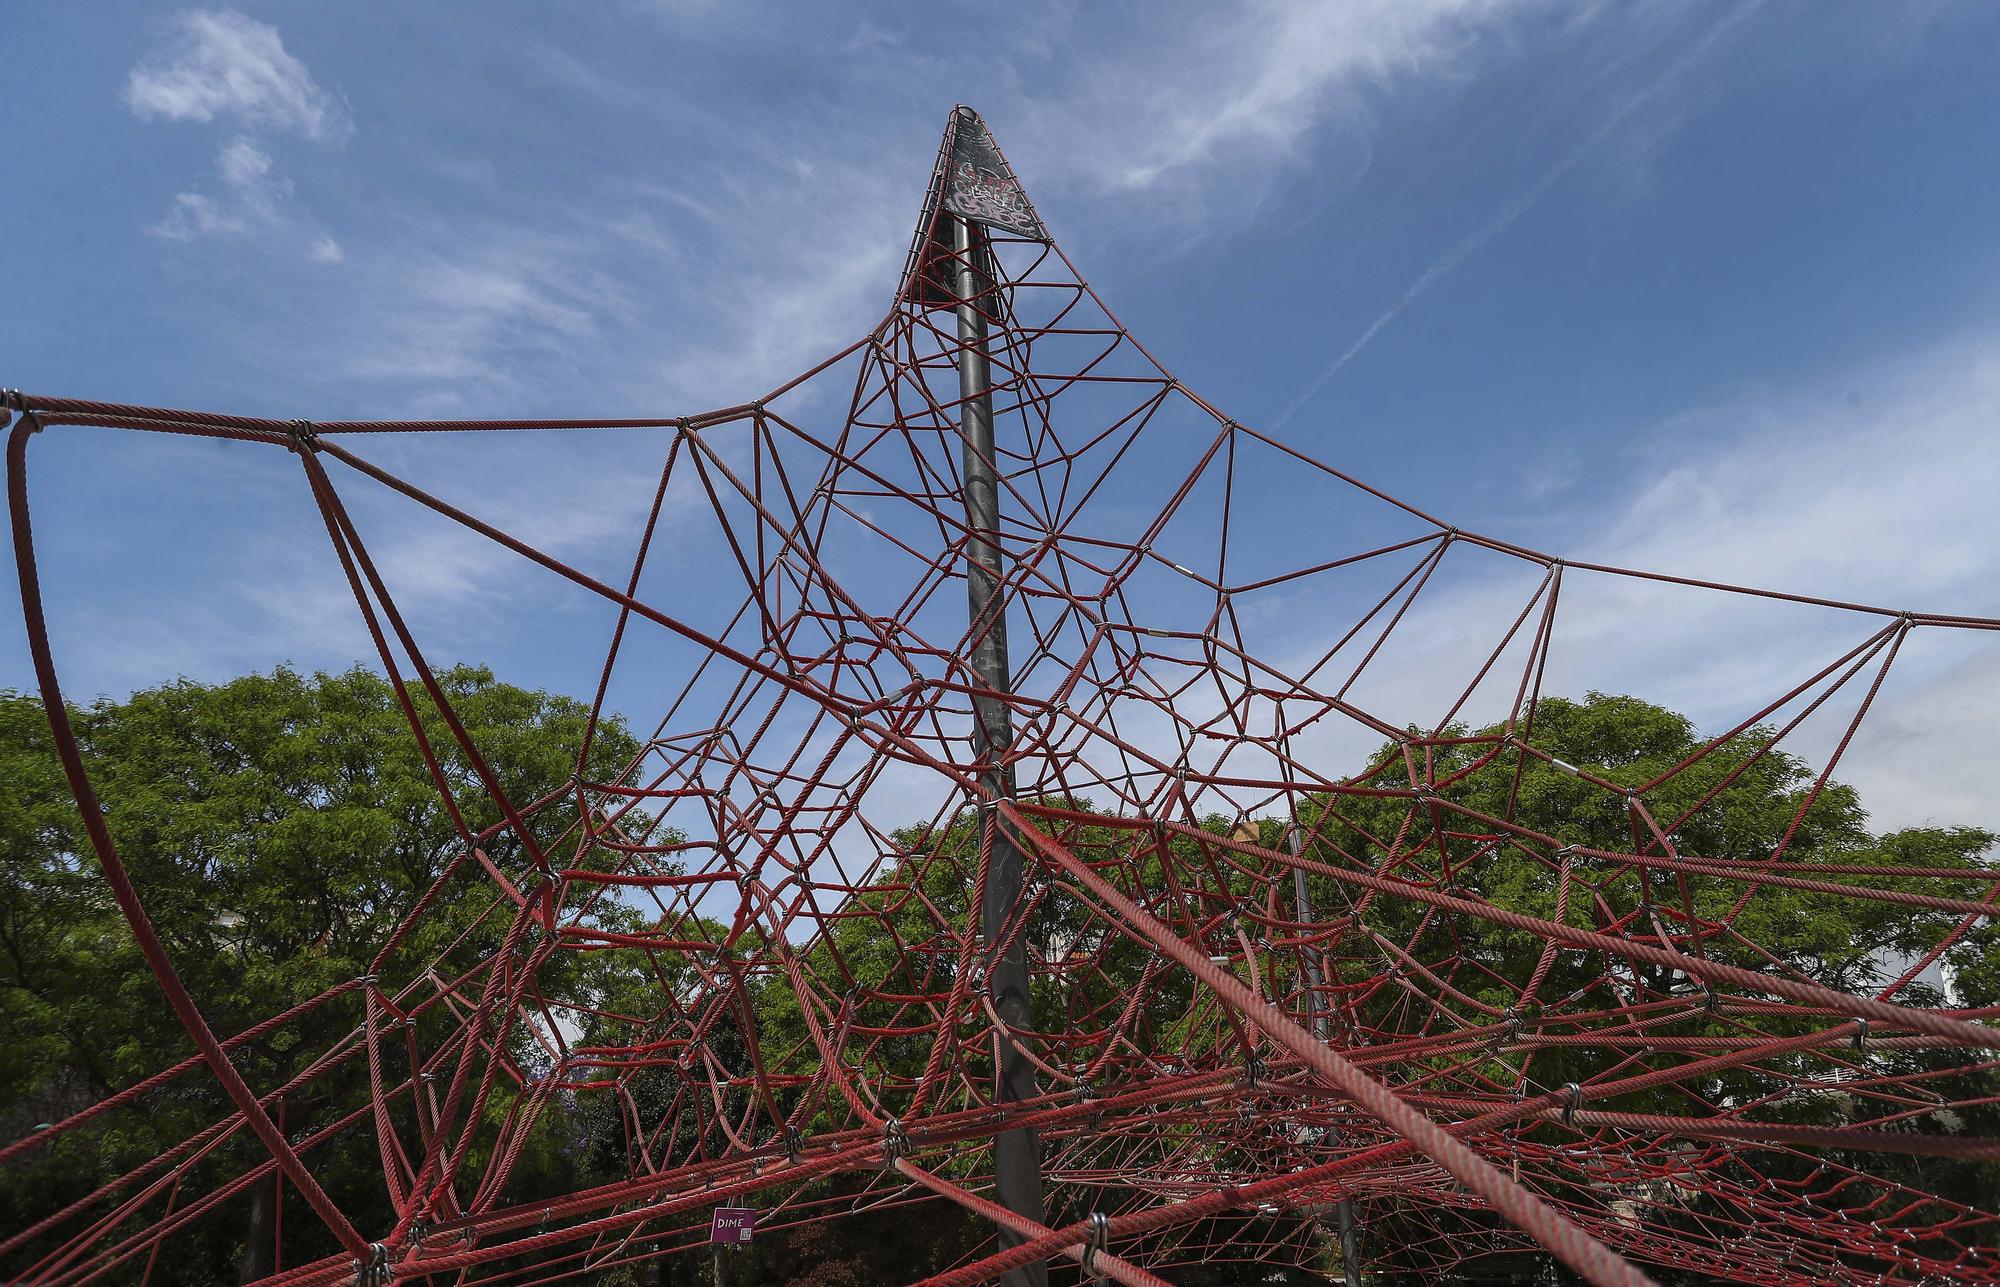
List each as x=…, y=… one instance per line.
x=444, y=318
x=764, y=240
x=1505, y=217
x=1192, y=126
x=221, y=65
x=253, y=199
x=765, y=236
x=1256, y=85
x=1879, y=498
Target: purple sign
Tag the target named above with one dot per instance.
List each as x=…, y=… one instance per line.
x=732, y=1224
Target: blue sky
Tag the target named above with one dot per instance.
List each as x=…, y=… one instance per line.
x=1709, y=288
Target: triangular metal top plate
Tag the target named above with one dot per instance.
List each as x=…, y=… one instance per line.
x=973, y=181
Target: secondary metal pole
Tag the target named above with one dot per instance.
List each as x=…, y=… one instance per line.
x=1017, y=1154
x=1343, y=1210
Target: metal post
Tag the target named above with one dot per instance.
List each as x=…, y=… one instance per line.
x=1017, y=1154
x=1343, y=1210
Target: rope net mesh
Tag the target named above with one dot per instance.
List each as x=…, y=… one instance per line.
x=1331, y=907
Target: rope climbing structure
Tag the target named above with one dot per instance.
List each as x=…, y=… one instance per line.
x=1076, y=821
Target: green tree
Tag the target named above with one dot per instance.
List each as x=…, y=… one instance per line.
x=1738, y=805
x=278, y=826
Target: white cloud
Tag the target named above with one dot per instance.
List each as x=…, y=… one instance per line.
x=473, y=312
x=706, y=254
x=195, y=215
x=1204, y=120
x=246, y=166
x=253, y=200
x=253, y=197
x=1882, y=498
x=219, y=64
x=1876, y=485
x=1279, y=69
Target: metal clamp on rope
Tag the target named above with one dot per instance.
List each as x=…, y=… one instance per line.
x=1513, y=1032
x=305, y=438
x=1253, y=1068
x=795, y=1143
x=1100, y=1238
x=10, y=402
x=420, y=1228
x=1714, y=1001
x=895, y=1140
x=374, y=1271
x=1860, y=1036
x=1575, y=1093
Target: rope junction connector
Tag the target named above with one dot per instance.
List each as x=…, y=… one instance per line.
x=305, y=438
x=895, y=1140
x=375, y=1271
x=1860, y=1036
x=1100, y=1239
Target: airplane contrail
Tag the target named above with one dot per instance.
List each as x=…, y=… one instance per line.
x=1514, y=209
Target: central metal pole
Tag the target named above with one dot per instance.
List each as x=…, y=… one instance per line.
x=1343, y=1210
x=1017, y=1154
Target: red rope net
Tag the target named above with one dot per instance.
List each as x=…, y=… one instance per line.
x=1276, y=987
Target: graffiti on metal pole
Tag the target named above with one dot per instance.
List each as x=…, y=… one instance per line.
x=980, y=185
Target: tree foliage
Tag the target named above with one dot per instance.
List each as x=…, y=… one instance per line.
x=280, y=825
x=277, y=827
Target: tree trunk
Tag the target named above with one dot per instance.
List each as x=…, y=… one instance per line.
x=257, y=1252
